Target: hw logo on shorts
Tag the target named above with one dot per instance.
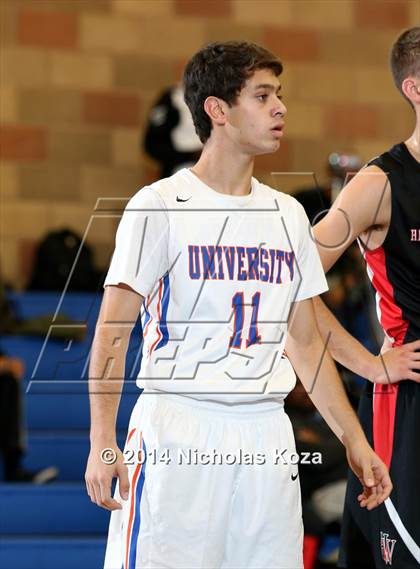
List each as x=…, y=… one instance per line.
x=387, y=548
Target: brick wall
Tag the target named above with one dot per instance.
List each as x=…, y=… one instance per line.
x=78, y=78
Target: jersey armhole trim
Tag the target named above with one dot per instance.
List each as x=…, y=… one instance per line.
x=361, y=243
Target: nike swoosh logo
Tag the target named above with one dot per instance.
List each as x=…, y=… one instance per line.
x=294, y=476
x=181, y=200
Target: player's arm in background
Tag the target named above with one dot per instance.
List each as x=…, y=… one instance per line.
x=118, y=315
x=315, y=368
x=362, y=205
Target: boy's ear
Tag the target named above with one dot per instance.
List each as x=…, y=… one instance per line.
x=411, y=89
x=214, y=108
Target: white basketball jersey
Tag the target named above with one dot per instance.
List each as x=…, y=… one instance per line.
x=218, y=274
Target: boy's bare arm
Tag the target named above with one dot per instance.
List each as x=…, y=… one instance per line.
x=118, y=315
x=363, y=204
x=320, y=378
x=390, y=366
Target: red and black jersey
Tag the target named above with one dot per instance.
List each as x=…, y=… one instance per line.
x=394, y=268
x=390, y=413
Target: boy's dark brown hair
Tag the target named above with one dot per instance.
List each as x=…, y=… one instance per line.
x=220, y=70
x=405, y=56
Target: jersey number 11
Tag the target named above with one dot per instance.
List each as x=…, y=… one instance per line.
x=238, y=305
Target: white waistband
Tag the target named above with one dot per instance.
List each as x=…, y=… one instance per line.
x=247, y=407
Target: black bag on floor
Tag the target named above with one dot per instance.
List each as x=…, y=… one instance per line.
x=54, y=260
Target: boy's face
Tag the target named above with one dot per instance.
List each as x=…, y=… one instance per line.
x=255, y=122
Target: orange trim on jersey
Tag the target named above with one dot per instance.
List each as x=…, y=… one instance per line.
x=150, y=317
x=133, y=487
x=131, y=434
x=159, y=310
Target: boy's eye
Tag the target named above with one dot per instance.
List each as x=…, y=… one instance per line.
x=264, y=97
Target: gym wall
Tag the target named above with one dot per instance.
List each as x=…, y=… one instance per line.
x=78, y=78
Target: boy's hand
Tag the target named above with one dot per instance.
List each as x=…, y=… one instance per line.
x=398, y=363
x=106, y=462
x=372, y=473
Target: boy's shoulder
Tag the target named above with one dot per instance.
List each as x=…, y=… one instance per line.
x=283, y=200
x=158, y=194
x=166, y=188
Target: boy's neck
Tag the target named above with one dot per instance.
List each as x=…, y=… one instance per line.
x=225, y=170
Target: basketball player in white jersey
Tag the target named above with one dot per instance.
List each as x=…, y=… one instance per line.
x=214, y=261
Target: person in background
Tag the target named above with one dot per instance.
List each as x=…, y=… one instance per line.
x=380, y=207
x=170, y=136
x=12, y=431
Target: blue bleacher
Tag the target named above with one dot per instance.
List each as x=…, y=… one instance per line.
x=56, y=525
x=69, y=411
x=52, y=552
x=67, y=450
x=57, y=509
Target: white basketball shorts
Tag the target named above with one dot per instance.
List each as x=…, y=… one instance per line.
x=210, y=487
